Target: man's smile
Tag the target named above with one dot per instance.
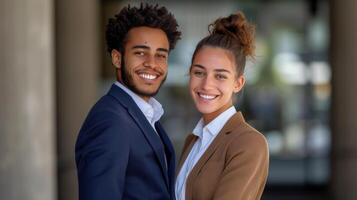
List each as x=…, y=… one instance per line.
x=147, y=76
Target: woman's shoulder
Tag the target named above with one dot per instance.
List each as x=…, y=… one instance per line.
x=244, y=137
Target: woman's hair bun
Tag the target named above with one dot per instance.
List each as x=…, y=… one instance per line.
x=238, y=27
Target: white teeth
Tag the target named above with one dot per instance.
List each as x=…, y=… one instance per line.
x=208, y=97
x=148, y=76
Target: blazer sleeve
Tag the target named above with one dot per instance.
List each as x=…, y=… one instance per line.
x=246, y=170
x=102, y=157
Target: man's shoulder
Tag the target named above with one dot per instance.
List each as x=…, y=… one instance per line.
x=110, y=111
x=107, y=110
x=107, y=103
x=106, y=115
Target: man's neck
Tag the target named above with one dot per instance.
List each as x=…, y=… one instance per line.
x=145, y=98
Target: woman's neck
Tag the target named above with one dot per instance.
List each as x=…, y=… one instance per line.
x=207, y=118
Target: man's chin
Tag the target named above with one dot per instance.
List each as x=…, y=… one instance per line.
x=148, y=93
x=145, y=92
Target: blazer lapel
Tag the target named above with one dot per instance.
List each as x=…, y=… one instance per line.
x=190, y=141
x=231, y=124
x=147, y=130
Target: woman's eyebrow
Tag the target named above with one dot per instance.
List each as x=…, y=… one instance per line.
x=222, y=70
x=199, y=66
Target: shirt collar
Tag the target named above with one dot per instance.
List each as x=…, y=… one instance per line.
x=215, y=126
x=152, y=109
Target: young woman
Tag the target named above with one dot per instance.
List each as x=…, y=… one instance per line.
x=224, y=158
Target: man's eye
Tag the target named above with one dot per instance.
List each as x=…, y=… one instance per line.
x=139, y=53
x=162, y=56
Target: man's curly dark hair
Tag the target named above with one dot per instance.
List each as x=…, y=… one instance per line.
x=147, y=15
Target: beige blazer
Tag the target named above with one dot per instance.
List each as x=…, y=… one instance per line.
x=234, y=166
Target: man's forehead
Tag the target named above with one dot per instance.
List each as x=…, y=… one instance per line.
x=146, y=36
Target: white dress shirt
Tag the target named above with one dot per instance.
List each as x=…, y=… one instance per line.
x=206, y=135
x=152, y=109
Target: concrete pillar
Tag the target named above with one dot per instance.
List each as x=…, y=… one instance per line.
x=77, y=74
x=344, y=99
x=27, y=145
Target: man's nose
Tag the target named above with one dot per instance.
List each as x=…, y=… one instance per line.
x=150, y=61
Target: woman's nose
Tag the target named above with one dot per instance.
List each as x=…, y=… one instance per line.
x=207, y=83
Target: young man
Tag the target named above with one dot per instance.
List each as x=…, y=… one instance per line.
x=122, y=151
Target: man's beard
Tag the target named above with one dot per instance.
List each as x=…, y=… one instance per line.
x=128, y=81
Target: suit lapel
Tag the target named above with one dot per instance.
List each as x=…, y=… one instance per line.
x=231, y=124
x=147, y=130
x=170, y=154
x=152, y=137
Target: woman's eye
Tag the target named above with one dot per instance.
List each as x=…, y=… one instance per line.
x=221, y=77
x=198, y=73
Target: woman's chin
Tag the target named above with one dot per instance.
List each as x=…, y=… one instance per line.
x=205, y=109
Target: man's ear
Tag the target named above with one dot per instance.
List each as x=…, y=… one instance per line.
x=239, y=83
x=116, y=58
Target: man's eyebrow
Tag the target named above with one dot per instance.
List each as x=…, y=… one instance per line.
x=163, y=49
x=147, y=47
x=140, y=47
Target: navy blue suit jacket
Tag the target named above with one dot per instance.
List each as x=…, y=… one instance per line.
x=119, y=155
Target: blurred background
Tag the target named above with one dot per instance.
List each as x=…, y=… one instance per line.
x=301, y=90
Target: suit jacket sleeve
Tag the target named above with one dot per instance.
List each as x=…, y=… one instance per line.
x=103, y=154
x=245, y=174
